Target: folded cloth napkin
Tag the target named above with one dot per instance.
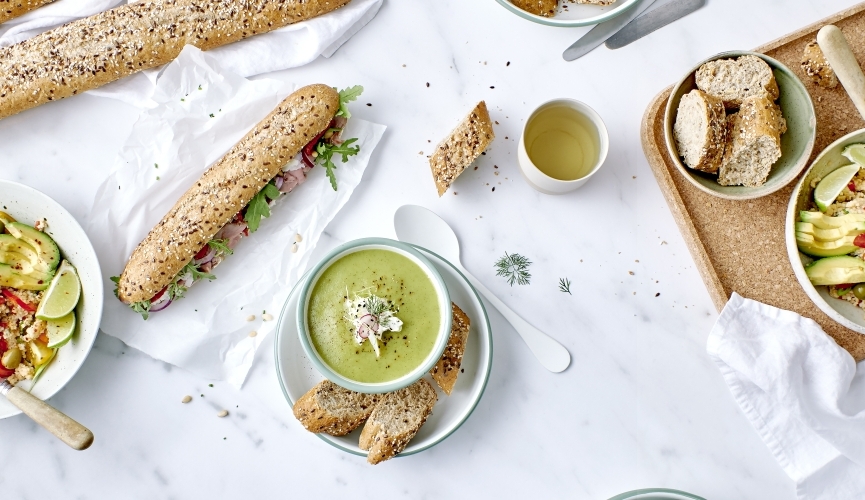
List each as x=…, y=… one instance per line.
x=48, y=16
x=803, y=393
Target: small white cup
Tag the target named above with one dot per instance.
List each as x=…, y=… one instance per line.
x=543, y=182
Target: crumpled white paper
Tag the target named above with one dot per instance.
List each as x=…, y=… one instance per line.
x=202, y=110
x=288, y=47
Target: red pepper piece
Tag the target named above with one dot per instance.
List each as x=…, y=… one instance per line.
x=851, y=186
x=201, y=253
x=859, y=241
x=309, y=148
x=4, y=372
x=159, y=294
x=17, y=300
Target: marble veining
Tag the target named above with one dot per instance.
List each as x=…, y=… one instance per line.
x=641, y=405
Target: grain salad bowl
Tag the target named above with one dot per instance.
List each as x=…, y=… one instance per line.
x=827, y=161
x=796, y=144
x=28, y=205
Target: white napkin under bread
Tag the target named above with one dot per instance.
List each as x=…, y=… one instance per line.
x=803, y=393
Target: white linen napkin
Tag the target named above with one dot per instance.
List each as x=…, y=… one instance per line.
x=48, y=16
x=288, y=47
x=803, y=393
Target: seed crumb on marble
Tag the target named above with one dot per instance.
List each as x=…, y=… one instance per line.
x=251, y=317
x=267, y=317
x=186, y=399
x=222, y=414
x=298, y=238
x=253, y=333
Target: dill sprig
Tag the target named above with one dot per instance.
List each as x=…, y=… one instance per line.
x=375, y=305
x=565, y=285
x=515, y=268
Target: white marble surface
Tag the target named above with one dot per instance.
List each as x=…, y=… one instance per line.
x=641, y=404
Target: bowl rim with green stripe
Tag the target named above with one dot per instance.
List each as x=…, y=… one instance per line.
x=796, y=144
x=573, y=18
x=829, y=160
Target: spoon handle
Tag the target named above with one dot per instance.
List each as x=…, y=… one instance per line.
x=552, y=355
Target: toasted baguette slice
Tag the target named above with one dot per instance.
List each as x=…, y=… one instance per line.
x=546, y=8
x=395, y=421
x=734, y=80
x=814, y=65
x=458, y=150
x=754, y=144
x=445, y=372
x=701, y=131
x=333, y=410
x=10, y=9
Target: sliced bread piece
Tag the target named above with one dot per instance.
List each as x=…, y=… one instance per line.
x=734, y=80
x=395, y=421
x=458, y=150
x=701, y=131
x=546, y=8
x=814, y=65
x=754, y=143
x=334, y=410
x=445, y=372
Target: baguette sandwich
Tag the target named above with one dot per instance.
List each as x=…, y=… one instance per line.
x=232, y=196
x=90, y=52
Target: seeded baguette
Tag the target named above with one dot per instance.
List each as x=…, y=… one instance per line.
x=224, y=189
x=333, y=410
x=91, y=52
x=447, y=369
x=395, y=420
x=701, y=131
x=754, y=143
x=733, y=80
x=10, y=9
x=458, y=150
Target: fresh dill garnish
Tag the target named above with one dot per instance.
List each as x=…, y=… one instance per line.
x=375, y=305
x=515, y=268
x=565, y=285
x=220, y=245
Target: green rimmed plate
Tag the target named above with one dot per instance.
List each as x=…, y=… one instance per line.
x=656, y=494
x=575, y=14
x=296, y=373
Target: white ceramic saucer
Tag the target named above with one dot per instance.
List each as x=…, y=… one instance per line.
x=297, y=375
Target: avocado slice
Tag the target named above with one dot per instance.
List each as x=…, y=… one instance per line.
x=10, y=277
x=45, y=247
x=15, y=249
x=808, y=244
x=820, y=234
x=824, y=221
x=836, y=270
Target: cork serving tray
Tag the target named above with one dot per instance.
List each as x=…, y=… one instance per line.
x=739, y=246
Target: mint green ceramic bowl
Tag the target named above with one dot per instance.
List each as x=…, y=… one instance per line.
x=796, y=144
x=444, y=303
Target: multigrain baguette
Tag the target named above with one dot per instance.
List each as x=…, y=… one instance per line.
x=91, y=52
x=10, y=9
x=235, y=178
x=464, y=144
x=447, y=369
x=396, y=419
x=734, y=80
x=700, y=131
x=333, y=410
x=754, y=143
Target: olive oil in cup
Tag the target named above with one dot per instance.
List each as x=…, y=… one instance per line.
x=563, y=143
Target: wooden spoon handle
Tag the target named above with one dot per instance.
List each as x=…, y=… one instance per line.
x=69, y=431
x=843, y=63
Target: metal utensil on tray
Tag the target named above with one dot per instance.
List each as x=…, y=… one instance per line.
x=653, y=20
x=53, y=420
x=601, y=32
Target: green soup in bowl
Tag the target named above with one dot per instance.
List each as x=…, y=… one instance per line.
x=374, y=315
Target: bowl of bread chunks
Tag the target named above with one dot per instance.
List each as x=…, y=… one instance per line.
x=740, y=125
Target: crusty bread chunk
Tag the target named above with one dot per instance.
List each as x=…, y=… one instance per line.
x=734, y=80
x=333, y=410
x=224, y=189
x=815, y=66
x=447, y=369
x=458, y=150
x=395, y=421
x=546, y=8
x=754, y=143
x=701, y=131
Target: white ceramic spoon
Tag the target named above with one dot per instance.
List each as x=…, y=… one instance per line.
x=422, y=227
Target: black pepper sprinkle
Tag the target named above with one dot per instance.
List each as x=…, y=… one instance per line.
x=658, y=294
x=508, y=64
x=494, y=188
x=492, y=87
x=427, y=84
x=369, y=104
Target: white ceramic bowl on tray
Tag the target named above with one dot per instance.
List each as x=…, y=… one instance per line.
x=575, y=14
x=297, y=374
x=28, y=205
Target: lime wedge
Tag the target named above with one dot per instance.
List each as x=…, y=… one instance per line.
x=62, y=294
x=827, y=189
x=855, y=153
x=60, y=330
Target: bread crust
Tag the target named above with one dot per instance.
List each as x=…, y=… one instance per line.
x=708, y=156
x=396, y=420
x=224, y=189
x=93, y=51
x=10, y=9
x=815, y=66
x=447, y=369
x=333, y=410
x=758, y=125
x=458, y=150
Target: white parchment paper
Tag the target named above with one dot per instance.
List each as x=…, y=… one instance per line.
x=202, y=110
